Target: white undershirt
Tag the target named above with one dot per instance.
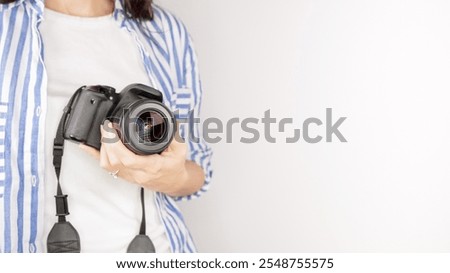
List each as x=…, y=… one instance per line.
x=105, y=211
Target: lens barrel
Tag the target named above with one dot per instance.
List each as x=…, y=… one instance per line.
x=146, y=126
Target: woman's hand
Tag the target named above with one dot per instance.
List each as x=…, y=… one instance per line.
x=168, y=172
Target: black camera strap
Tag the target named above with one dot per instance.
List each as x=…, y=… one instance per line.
x=63, y=237
x=141, y=243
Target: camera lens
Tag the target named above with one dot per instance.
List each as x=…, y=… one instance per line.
x=146, y=127
x=151, y=127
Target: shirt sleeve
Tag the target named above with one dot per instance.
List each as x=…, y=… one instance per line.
x=189, y=99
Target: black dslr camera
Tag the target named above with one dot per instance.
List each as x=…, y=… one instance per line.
x=144, y=124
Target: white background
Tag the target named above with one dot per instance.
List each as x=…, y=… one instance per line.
x=384, y=65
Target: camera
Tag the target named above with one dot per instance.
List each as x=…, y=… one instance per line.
x=144, y=124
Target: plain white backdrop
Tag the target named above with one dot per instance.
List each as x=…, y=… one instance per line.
x=384, y=65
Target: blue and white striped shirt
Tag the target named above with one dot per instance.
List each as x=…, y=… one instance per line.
x=168, y=56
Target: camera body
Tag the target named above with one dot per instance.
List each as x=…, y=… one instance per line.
x=144, y=124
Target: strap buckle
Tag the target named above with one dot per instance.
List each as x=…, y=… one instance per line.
x=58, y=149
x=62, y=208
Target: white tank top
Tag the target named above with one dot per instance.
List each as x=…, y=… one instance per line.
x=105, y=211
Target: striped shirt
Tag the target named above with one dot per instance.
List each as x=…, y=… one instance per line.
x=168, y=56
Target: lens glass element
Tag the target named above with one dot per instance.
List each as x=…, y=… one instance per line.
x=151, y=127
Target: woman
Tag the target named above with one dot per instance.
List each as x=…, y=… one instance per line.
x=50, y=48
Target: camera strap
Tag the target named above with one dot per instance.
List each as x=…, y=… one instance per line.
x=141, y=243
x=63, y=237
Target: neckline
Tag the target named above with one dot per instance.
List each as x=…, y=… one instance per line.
x=51, y=14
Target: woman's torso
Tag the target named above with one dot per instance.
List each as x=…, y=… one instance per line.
x=105, y=211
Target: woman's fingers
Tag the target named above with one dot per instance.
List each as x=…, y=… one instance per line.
x=92, y=151
x=176, y=147
x=114, y=157
x=119, y=155
x=113, y=145
x=104, y=161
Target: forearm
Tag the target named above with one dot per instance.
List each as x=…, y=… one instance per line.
x=189, y=181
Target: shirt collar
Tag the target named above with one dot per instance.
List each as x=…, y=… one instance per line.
x=39, y=5
x=11, y=5
x=118, y=6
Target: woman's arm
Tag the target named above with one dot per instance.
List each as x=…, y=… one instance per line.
x=179, y=171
